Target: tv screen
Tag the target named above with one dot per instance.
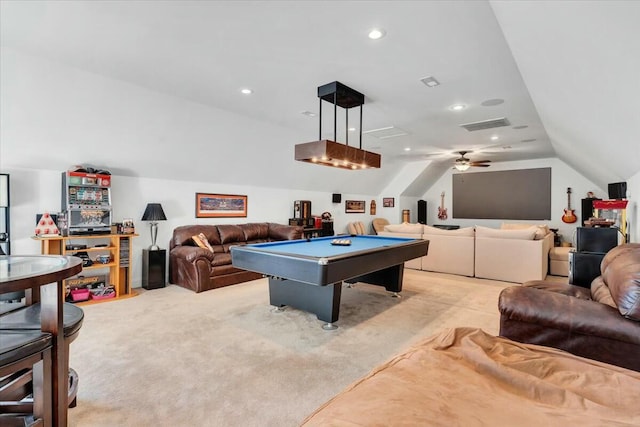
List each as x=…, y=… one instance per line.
x=523, y=194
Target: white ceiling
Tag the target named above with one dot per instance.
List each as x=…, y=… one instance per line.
x=568, y=71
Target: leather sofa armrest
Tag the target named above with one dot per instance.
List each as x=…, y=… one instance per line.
x=557, y=311
x=191, y=253
x=285, y=232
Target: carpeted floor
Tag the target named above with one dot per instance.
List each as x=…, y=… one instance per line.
x=170, y=357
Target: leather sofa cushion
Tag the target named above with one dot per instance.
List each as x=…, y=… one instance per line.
x=466, y=231
x=600, y=292
x=230, y=233
x=404, y=228
x=182, y=236
x=518, y=234
x=221, y=259
x=255, y=231
x=621, y=273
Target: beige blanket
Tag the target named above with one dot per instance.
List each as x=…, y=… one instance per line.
x=466, y=377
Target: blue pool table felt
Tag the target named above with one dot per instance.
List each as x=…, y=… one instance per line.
x=322, y=247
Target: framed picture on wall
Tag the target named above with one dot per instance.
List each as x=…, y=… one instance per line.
x=388, y=202
x=354, y=206
x=220, y=205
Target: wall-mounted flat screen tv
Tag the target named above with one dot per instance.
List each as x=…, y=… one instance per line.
x=523, y=194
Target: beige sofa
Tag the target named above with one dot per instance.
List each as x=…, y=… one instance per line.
x=514, y=253
x=450, y=251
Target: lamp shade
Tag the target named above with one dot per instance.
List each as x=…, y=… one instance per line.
x=154, y=212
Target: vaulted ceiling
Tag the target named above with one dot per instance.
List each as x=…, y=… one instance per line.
x=564, y=75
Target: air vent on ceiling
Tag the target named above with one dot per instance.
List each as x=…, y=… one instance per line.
x=486, y=124
x=386, y=132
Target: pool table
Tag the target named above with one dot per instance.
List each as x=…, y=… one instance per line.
x=307, y=274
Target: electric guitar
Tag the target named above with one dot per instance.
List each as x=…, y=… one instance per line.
x=442, y=211
x=569, y=216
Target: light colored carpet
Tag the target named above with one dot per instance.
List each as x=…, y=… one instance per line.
x=170, y=357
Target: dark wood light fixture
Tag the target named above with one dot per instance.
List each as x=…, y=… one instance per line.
x=331, y=153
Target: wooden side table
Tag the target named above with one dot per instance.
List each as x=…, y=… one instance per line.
x=154, y=264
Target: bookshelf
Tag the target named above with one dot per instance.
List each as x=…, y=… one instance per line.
x=116, y=246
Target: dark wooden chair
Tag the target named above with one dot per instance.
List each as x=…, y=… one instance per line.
x=25, y=378
x=28, y=319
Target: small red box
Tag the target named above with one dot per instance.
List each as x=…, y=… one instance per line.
x=78, y=295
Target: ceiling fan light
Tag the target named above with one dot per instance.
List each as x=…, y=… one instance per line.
x=462, y=166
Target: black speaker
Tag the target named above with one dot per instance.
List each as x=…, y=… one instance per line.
x=584, y=267
x=618, y=190
x=422, y=211
x=336, y=198
x=587, y=209
x=596, y=239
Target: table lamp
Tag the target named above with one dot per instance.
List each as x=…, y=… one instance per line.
x=154, y=213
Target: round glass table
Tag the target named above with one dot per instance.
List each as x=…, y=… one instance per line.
x=41, y=276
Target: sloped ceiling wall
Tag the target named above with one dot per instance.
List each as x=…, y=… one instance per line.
x=581, y=64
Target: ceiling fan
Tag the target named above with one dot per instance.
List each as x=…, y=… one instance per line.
x=463, y=163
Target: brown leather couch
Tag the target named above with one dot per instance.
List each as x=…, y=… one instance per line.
x=200, y=269
x=601, y=323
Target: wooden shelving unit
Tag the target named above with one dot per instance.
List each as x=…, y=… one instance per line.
x=118, y=246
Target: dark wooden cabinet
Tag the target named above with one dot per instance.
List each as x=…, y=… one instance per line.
x=154, y=265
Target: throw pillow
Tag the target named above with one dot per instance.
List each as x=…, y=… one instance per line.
x=523, y=234
x=201, y=241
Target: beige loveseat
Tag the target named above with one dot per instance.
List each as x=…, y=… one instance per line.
x=514, y=253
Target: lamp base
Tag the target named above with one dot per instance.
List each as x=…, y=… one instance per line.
x=154, y=248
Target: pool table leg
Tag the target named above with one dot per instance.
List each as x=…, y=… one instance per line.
x=323, y=301
x=390, y=278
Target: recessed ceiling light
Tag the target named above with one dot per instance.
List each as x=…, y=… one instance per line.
x=376, y=33
x=308, y=113
x=494, y=138
x=246, y=91
x=457, y=107
x=352, y=129
x=407, y=148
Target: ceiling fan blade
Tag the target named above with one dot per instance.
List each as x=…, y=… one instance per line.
x=481, y=161
x=479, y=166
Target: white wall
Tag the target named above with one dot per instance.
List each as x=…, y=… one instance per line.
x=562, y=177
x=38, y=191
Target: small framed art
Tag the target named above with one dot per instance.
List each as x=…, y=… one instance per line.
x=388, y=202
x=354, y=206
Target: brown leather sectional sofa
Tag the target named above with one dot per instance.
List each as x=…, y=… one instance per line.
x=201, y=269
x=601, y=323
